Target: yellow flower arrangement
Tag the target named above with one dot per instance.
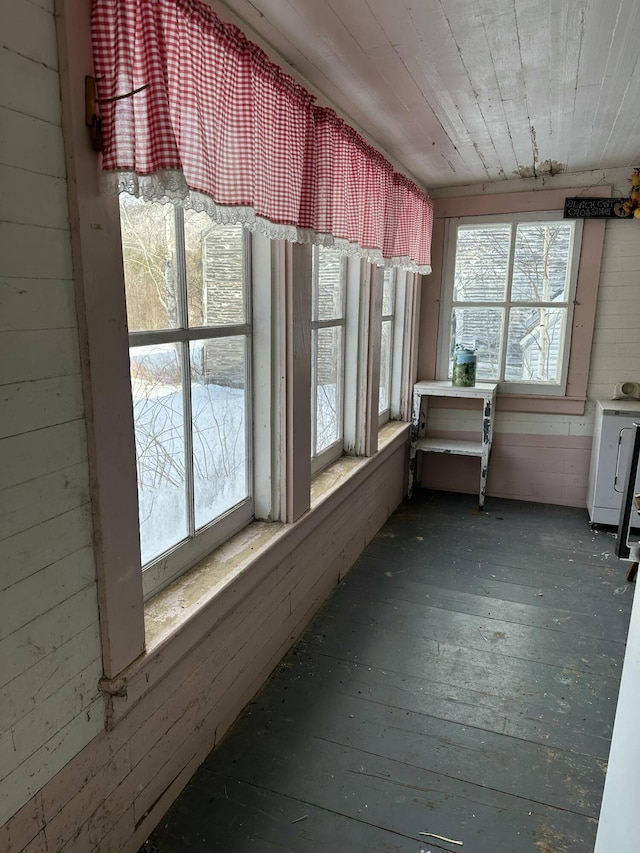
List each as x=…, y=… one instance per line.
x=632, y=204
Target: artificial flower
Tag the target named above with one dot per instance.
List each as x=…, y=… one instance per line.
x=632, y=204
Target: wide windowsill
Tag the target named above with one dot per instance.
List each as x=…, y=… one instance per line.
x=182, y=614
x=332, y=478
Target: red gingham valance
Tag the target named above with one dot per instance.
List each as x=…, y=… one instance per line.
x=353, y=183
x=217, y=126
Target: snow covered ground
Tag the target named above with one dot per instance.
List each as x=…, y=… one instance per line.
x=219, y=449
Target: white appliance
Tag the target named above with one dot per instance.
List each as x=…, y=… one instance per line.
x=610, y=458
x=628, y=538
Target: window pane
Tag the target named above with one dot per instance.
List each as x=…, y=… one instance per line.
x=388, y=293
x=541, y=262
x=150, y=274
x=535, y=343
x=328, y=391
x=479, y=329
x=385, y=367
x=156, y=382
x=219, y=400
x=215, y=271
x=328, y=281
x=482, y=263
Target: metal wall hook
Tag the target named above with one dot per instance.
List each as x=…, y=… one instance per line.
x=92, y=117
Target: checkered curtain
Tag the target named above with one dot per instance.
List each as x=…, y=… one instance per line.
x=409, y=217
x=353, y=182
x=213, y=124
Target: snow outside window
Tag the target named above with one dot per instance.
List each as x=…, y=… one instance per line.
x=386, y=343
x=188, y=310
x=396, y=320
x=328, y=296
x=509, y=295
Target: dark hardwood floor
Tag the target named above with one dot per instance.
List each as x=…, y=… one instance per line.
x=460, y=683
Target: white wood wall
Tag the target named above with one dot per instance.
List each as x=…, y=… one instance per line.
x=616, y=358
x=616, y=342
x=111, y=795
x=93, y=788
x=49, y=648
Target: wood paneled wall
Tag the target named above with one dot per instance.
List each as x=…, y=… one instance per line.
x=112, y=794
x=66, y=783
x=616, y=342
x=50, y=661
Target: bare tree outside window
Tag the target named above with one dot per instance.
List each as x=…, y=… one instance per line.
x=386, y=339
x=328, y=319
x=510, y=298
x=185, y=281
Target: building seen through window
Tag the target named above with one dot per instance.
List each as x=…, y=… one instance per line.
x=189, y=334
x=509, y=297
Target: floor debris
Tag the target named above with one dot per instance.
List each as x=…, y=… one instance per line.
x=442, y=838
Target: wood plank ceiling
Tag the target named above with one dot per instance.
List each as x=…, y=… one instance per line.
x=467, y=91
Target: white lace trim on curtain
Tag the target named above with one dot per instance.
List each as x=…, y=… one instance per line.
x=168, y=186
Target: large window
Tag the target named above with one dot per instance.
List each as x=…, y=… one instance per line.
x=328, y=300
x=188, y=310
x=509, y=294
x=396, y=323
x=205, y=375
x=386, y=342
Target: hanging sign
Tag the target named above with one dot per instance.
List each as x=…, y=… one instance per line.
x=594, y=208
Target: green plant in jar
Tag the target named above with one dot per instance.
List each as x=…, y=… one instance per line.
x=464, y=366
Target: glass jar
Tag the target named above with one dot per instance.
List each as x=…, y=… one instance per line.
x=464, y=368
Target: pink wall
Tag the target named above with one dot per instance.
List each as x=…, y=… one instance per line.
x=529, y=465
x=539, y=468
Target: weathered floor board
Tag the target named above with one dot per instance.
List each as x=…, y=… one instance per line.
x=462, y=681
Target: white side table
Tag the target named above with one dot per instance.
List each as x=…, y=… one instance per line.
x=422, y=391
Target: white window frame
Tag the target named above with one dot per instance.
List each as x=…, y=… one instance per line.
x=320, y=460
x=387, y=319
x=282, y=430
x=447, y=304
x=169, y=565
x=361, y=357
x=402, y=321
x=362, y=328
x=261, y=390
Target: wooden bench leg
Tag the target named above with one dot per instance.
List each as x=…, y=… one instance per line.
x=633, y=571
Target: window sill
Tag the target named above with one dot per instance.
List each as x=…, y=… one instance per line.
x=182, y=614
x=334, y=476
